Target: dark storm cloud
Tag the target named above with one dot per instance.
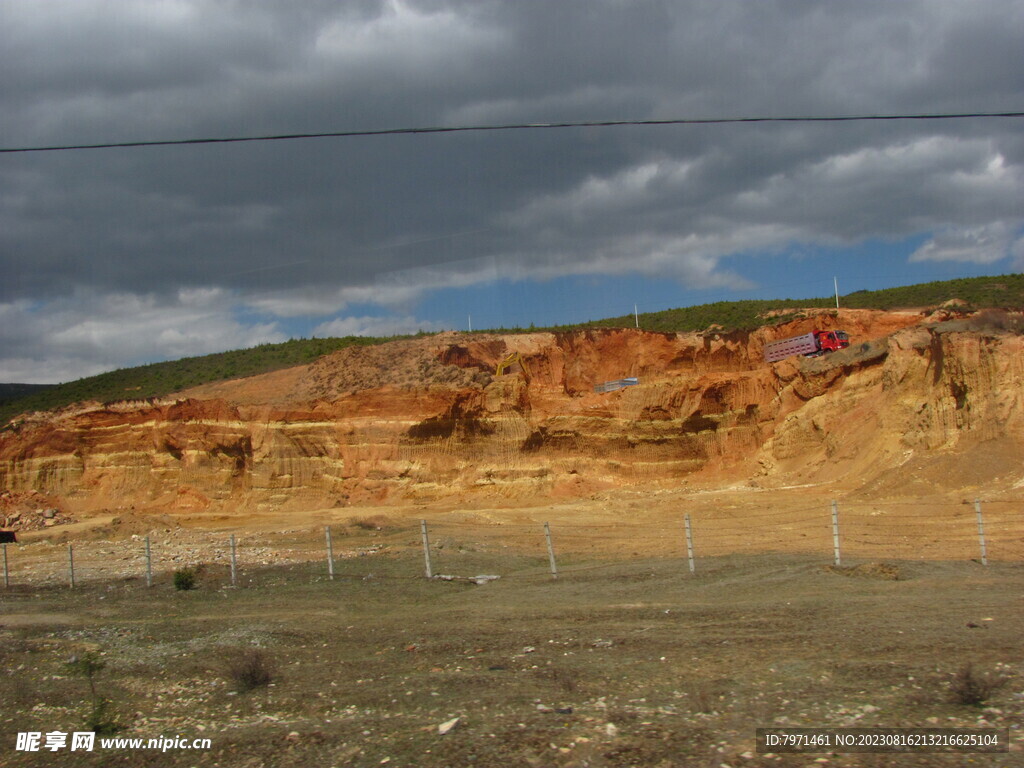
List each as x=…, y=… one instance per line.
x=312, y=226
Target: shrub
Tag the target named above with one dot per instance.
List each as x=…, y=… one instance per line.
x=972, y=688
x=371, y=523
x=248, y=668
x=997, y=319
x=101, y=718
x=185, y=579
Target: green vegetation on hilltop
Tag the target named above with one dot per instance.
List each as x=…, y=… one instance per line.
x=1004, y=291
x=157, y=379
x=10, y=392
x=729, y=315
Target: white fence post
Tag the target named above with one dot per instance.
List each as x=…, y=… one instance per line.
x=234, y=562
x=330, y=553
x=426, y=548
x=149, y=564
x=981, y=532
x=835, y=530
x=551, y=551
x=689, y=542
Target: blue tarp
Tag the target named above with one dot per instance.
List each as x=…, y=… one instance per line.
x=611, y=386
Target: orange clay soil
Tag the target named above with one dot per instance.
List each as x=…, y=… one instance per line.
x=922, y=413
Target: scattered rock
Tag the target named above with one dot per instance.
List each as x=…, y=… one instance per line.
x=19, y=511
x=883, y=571
x=448, y=725
x=483, y=579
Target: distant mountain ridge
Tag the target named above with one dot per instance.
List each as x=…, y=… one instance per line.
x=9, y=392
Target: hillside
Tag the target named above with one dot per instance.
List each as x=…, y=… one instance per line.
x=158, y=379
x=161, y=379
x=421, y=420
x=1002, y=292
x=11, y=392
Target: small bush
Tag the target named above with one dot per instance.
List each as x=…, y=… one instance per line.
x=371, y=523
x=565, y=679
x=972, y=688
x=706, y=697
x=185, y=579
x=101, y=718
x=997, y=319
x=248, y=669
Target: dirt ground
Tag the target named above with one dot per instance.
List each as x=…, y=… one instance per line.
x=626, y=659
x=688, y=609
x=613, y=524
x=612, y=664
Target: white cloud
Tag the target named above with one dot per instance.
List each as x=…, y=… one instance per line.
x=89, y=333
x=986, y=244
x=597, y=195
x=588, y=98
x=52, y=370
x=368, y=226
x=393, y=290
x=375, y=326
x=1017, y=252
x=405, y=37
x=319, y=301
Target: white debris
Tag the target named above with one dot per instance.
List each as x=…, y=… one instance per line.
x=447, y=725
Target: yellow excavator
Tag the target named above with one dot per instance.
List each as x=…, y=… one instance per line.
x=513, y=359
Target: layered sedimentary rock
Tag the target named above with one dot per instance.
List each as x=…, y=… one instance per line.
x=428, y=418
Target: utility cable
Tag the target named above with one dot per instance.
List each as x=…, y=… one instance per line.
x=514, y=127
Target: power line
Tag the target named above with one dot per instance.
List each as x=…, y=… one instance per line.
x=513, y=127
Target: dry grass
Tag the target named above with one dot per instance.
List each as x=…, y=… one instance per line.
x=973, y=688
x=598, y=668
x=247, y=668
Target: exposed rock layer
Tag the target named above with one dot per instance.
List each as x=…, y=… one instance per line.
x=427, y=418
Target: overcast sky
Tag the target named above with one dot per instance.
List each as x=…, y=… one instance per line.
x=117, y=257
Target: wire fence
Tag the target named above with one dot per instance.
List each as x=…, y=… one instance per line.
x=838, y=534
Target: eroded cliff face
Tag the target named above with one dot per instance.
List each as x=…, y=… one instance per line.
x=426, y=419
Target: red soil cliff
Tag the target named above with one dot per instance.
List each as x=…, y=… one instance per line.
x=425, y=419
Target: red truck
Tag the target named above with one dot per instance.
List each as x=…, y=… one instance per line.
x=810, y=345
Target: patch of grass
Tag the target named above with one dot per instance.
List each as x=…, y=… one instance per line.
x=565, y=680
